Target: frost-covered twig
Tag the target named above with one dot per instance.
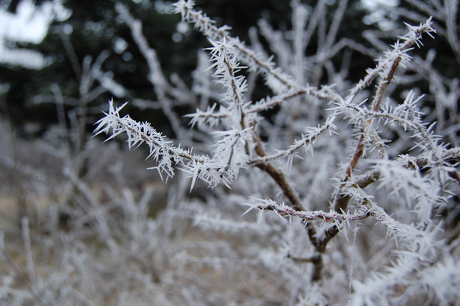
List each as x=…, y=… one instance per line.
x=388, y=65
x=222, y=168
x=247, y=56
x=287, y=211
x=386, y=70
x=307, y=141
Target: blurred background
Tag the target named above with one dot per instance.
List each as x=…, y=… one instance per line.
x=64, y=195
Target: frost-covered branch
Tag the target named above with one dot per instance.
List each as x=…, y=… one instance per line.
x=222, y=168
x=287, y=211
x=387, y=66
x=386, y=69
x=283, y=81
x=307, y=141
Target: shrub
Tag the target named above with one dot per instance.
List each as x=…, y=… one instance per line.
x=361, y=175
x=282, y=191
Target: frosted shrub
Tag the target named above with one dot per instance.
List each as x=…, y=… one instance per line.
x=327, y=172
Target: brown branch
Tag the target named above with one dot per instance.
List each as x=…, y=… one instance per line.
x=332, y=216
x=383, y=85
x=341, y=202
x=278, y=176
x=317, y=262
x=455, y=175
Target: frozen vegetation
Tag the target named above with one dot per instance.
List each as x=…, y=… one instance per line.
x=325, y=192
